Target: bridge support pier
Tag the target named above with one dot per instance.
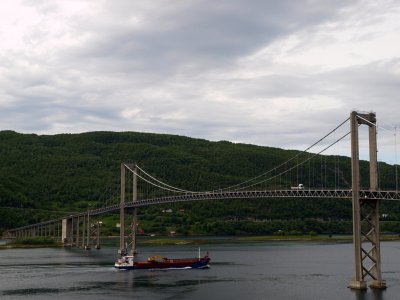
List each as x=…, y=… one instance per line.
x=134, y=214
x=366, y=233
x=122, y=248
x=94, y=235
x=87, y=244
x=77, y=232
x=66, y=232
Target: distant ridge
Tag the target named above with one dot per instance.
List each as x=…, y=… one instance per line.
x=43, y=174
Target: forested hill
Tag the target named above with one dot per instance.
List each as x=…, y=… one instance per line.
x=45, y=176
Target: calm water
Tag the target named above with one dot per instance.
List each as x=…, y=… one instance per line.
x=269, y=270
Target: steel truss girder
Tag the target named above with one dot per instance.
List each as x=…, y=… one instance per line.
x=341, y=194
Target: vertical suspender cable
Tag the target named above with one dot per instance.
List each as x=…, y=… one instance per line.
x=334, y=170
x=395, y=157
x=377, y=160
x=338, y=177
x=309, y=174
x=322, y=175
x=324, y=166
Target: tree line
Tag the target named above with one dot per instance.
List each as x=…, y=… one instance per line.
x=48, y=176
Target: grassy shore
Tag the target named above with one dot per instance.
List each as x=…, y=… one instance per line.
x=40, y=242
x=318, y=238
x=166, y=241
x=256, y=238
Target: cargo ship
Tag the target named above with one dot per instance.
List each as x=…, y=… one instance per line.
x=159, y=262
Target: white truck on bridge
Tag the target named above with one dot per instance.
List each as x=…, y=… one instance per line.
x=299, y=187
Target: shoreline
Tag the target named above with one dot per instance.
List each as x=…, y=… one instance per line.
x=199, y=240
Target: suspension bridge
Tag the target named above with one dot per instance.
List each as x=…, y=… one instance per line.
x=83, y=229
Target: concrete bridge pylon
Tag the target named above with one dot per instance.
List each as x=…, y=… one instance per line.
x=366, y=233
x=127, y=239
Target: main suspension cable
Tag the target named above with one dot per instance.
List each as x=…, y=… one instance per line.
x=294, y=157
x=154, y=184
x=163, y=183
x=165, y=186
x=286, y=171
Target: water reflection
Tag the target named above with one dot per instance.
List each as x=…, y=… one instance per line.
x=372, y=294
x=299, y=271
x=378, y=294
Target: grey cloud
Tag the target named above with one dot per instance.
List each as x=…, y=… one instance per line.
x=203, y=34
x=374, y=86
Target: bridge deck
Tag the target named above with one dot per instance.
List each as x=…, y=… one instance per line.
x=321, y=193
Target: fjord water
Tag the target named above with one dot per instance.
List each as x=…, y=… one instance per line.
x=264, y=270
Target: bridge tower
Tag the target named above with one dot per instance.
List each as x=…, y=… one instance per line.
x=128, y=246
x=366, y=235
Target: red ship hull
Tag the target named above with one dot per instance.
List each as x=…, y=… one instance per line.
x=127, y=263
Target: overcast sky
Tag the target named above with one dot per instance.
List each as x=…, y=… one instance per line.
x=274, y=73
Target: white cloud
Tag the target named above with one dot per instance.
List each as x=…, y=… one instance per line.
x=276, y=73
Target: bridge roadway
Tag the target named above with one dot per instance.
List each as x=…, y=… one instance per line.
x=222, y=195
